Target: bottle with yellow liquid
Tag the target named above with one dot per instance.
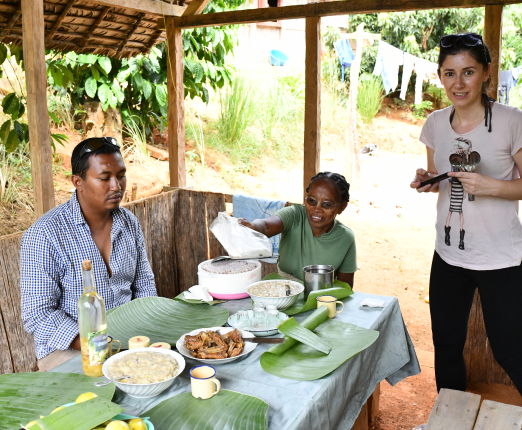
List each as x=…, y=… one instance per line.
x=93, y=325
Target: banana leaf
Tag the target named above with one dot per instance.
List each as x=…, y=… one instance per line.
x=83, y=416
x=181, y=298
x=26, y=396
x=226, y=410
x=340, y=290
x=291, y=328
x=300, y=362
x=161, y=319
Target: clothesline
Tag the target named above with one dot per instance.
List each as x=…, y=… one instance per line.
x=389, y=58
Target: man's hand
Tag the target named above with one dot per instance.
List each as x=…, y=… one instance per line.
x=76, y=343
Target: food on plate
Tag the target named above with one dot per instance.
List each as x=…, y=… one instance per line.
x=144, y=367
x=273, y=289
x=209, y=344
x=229, y=267
x=137, y=424
x=118, y=425
x=84, y=397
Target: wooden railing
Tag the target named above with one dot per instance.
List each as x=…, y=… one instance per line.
x=175, y=225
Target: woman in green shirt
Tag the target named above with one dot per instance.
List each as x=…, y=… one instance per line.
x=310, y=232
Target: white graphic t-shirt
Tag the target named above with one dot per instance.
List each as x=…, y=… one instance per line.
x=484, y=234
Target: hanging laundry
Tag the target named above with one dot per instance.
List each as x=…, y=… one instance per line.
x=425, y=70
x=407, y=70
x=388, y=61
x=345, y=53
x=505, y=83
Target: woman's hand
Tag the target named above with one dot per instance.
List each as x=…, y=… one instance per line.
x=476, y=184
x=245, y=222
x=422, y=175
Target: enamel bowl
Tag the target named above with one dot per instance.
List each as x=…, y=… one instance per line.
x=145, y=391
x=281, y=303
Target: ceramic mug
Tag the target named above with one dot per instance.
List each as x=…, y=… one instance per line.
x=203, y=382
x=331, y=303
x=111, y=341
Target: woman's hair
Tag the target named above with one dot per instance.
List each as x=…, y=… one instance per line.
x=340, y=182
x=480, y=53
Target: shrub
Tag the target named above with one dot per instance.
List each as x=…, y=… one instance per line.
x=369, y=96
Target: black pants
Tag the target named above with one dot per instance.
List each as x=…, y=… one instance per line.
x=451, y=295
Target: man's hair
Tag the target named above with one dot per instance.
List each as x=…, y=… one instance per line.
x=81, y=165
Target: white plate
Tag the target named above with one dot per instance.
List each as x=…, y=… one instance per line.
x=249, y=346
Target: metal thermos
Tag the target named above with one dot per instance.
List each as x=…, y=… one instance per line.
x=317, y=277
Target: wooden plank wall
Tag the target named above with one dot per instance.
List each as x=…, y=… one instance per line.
x=16, y=345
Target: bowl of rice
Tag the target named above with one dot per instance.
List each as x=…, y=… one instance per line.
x=273, y=292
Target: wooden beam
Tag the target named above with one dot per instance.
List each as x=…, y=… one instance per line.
x=150, y=7
x=176, y=107
x=312, y=126
x=95, y=25
x=61, y=17
x=327, y=8
x=37, y=113
x=131, y=32
x=195, y=7
x=10, y=24
x=493, y=40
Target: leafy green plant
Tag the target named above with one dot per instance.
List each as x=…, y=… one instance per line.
x=199, y=137
x=419, y=111
x=15, y=176
x=237, y=108
x=369, y=96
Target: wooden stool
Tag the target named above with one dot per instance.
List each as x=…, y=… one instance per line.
x=457, y=410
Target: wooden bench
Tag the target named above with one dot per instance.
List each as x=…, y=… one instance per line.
x=457, y=410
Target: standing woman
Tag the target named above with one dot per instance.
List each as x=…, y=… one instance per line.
x=491, y=259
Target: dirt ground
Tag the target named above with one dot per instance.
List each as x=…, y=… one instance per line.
x=393, y=226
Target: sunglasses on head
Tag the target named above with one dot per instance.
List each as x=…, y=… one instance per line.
x=94, y=143
x=325, y=205
x=469, y=39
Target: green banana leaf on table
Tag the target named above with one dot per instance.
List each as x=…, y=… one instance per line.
x=340, y=290
x=26, y=396
x=161, y=319
x=226, y=410
x=83, y=416
x=301, y=358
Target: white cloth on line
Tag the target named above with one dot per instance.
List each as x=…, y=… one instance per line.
x=407, y=70
x=387, y=65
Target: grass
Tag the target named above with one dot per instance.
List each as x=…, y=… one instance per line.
x=369, y=96
x=136, y=150
x=199, y=136
x=237, y=109
x=15, y=177
x=61, y=110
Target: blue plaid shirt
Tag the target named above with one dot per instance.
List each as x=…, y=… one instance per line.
x=53, y=249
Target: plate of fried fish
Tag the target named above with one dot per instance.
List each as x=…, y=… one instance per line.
x=215, y=345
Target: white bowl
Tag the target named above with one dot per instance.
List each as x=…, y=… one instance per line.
x=280, y=302
x=232, y=322
x=228, y=286
x=145, y=391
x=249, y=346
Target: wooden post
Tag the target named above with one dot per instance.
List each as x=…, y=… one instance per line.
x=37, y=113
x=176, y=108
x=351, y=129
x=312, y=126
x=493, y=40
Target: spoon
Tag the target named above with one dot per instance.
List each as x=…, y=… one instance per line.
x=108, y=381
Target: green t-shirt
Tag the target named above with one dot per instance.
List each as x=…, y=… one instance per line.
x=299, y=248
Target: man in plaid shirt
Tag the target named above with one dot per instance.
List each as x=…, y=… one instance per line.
x=90, y=226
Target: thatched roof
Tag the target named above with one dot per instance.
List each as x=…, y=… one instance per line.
x=90, y=27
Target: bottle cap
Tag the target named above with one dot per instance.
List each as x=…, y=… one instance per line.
x=86, y=265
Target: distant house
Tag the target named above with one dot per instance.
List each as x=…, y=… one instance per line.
x=257, y=40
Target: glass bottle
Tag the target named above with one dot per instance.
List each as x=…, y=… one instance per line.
x=93, y=325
